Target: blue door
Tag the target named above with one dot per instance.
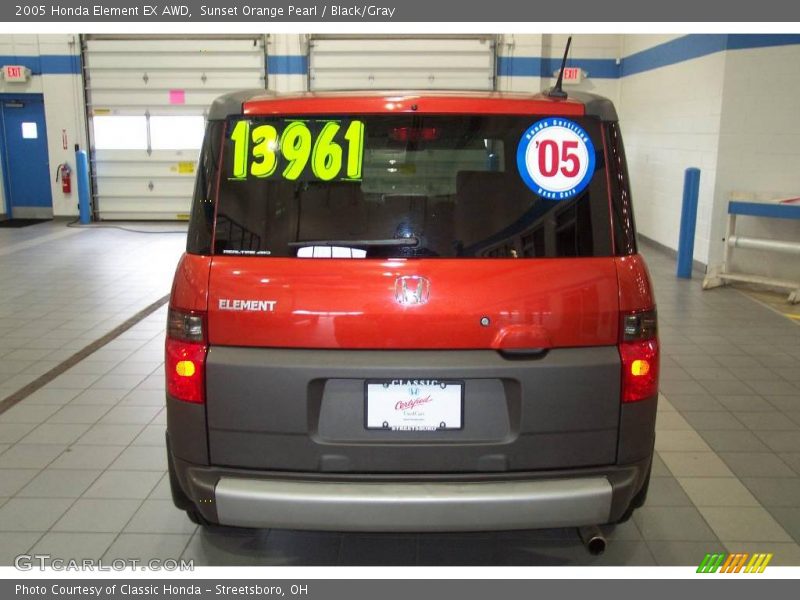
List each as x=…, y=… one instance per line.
x=26, y=168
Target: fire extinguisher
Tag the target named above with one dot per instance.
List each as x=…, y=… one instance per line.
x=64, y=172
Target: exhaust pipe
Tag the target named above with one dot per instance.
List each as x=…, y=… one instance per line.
x=593, y=539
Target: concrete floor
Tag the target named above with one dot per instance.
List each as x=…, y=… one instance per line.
x=82, y=465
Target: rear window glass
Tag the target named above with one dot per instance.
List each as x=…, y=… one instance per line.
x=449, y=186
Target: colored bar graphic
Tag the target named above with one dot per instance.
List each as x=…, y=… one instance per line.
x=715, y=565
x=727, y=566
x=710, y=563
x=766, y=562
x=703, y=563
x=758, y=563
x=754, y=563
x=738, y=562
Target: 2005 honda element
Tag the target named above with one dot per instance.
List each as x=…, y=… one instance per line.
x=411, y=312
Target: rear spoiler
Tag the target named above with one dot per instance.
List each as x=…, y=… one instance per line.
x=596, y=106
x=232, y=104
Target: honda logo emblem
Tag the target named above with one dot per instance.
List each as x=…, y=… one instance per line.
x=412, y=289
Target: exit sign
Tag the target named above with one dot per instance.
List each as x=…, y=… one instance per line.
x=572, y=75
x=16, y=73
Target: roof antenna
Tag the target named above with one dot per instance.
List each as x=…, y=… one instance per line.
x=556, y=91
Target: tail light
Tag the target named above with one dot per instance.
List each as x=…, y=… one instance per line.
x=186, y=349
x=639, y=351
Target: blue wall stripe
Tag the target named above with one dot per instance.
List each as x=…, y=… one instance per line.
x=534, y=66
x=46, y=64
x=57, y=64
x=602, y=68
x=32, y=62
x=519, y=66
x=740, y=41
x=287, y=65
x=672, y=52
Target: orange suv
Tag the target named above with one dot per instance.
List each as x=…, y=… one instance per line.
x=411, y=312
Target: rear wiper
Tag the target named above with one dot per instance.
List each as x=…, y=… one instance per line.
x=394, y=242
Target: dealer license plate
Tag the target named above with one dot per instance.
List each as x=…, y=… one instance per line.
x=414, y=404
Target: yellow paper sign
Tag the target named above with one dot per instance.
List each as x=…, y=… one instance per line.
x=306, y=150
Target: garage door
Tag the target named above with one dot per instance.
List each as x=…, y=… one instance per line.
x=408, y=63
x=147, y=100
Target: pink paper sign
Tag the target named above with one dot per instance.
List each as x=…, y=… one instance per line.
x=177, y=97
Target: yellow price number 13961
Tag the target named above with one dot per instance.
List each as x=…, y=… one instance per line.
x=295, y=148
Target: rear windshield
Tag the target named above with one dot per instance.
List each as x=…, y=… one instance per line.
x=450, y=186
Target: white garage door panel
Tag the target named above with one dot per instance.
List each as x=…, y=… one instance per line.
x=156, y=156
x=418, y=63
x=419, y=45
x=150, y=78
x=138, y=45
x=129, y=186
x=145, y=169
x=383, y=61
x=152, y=62
x=161, y=208
x=158, y=81
x=156, y=54
x=152, y=99
x=353, y=80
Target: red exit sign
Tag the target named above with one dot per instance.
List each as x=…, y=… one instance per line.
x=15, y=73
x=573, y=75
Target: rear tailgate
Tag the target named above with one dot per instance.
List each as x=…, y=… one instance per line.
x=352, y=304
x=286, y=385
x=356, y=255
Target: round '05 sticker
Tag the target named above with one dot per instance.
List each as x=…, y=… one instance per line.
x=556, y=158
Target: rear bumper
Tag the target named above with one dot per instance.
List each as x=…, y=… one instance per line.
x=281, y=443
x=466, y=502
x=305, y=410
x=412, y=506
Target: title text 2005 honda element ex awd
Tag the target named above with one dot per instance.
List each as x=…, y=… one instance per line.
x=411, y=312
